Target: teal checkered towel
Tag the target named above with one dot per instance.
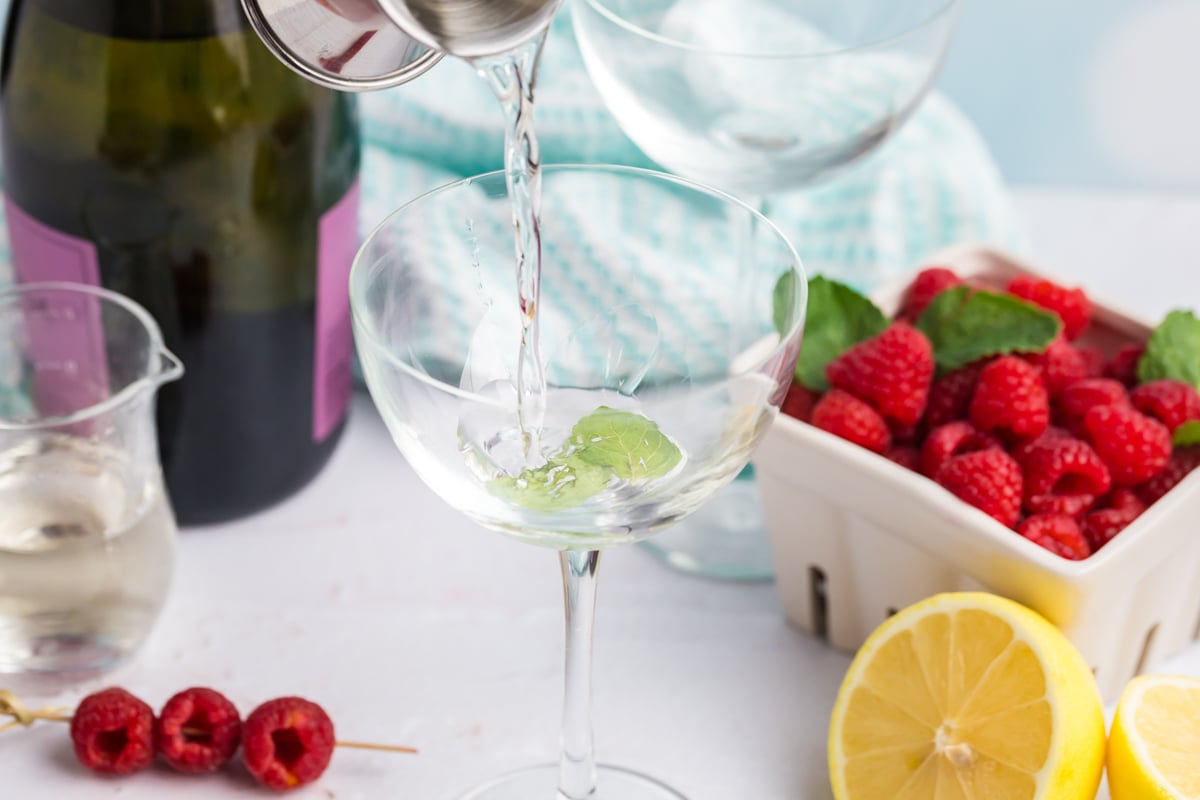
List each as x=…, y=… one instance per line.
x=934, y=184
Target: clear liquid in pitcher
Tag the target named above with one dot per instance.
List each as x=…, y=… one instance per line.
x=86, y=554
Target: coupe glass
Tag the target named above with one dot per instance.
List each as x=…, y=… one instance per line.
x=755, y=98
x=660, y=380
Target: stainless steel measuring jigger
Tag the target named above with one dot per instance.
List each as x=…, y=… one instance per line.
x=357, y=45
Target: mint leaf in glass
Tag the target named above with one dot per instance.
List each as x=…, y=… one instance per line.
x=966, y=324
x=1187, y=434
x=1173, y=351
x=838, y=318
x=605, y=444
x=556, y=486
x=628, y=443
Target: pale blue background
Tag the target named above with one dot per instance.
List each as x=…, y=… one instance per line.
x=1087, y=93
x=1102, y=93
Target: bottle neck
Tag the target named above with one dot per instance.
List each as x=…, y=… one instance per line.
x=155, y=20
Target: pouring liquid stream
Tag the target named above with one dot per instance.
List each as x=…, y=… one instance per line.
x=512, y=77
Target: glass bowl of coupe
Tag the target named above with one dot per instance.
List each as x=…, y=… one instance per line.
x=642, y=390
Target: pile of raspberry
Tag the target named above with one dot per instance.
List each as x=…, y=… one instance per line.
x=285, y=743
x=1064, y=446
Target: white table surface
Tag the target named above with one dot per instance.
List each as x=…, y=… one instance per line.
x=411, y=625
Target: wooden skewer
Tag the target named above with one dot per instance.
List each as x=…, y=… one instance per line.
x=43, y=715
x=385, y=748
x=22, y=717
x=11, y=706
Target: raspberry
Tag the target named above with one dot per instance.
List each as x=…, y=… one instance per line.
x=1011, y=398
x=1071, y=305
x=1093, y=362
x=1126, y=500
x=1134, y=446
x=1080, y=397
x=198, y=730
x=113, y=733
x=1181, y=464
x=928, y=284
x=950, y=396
x=953, y=439
x=799, y=402
x=1123, y=365
x=844, y=415
x=905, y=434
x=1058, y=533
x=1062, y=476
x=905, y=456
x=1170, y=402
x=1021, y=451
x=1060, y=365
x=287, y=742
x=1119, y=509
x=990, y=480
x=891, y=371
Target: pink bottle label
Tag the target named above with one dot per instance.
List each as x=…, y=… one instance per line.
x=41, y=253
x=337, y=243
x=67, y=344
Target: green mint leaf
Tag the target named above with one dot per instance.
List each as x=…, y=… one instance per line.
x=838, y=319
x=605, y=444
x=555, y=487
x=1173, y=351
x=1187, y=434
x=783, y=299
x=625, y=442
x=966, y=325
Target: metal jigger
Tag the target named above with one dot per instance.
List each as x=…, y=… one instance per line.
x=359, y=45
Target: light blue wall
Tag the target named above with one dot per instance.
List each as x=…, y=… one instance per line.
x=1083, y=92
x=1080, y=92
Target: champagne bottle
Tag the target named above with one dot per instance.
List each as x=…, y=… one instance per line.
x=155, y=147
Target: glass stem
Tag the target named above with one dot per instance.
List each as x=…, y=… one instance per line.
x=577, y=762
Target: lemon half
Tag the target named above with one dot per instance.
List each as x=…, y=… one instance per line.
x=1154, y=751
x=967, y=696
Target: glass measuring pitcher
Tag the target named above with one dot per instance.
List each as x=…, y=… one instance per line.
x=87, y=535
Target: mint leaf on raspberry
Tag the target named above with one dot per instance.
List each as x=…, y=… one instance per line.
x=966, y=324
x=838, y=319
x=1187, y=434
x=1173, y=351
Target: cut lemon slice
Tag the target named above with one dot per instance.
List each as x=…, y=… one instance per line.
x=1154, y=751
x=967, y=697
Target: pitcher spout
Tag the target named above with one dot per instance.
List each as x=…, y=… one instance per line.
x=170, y=367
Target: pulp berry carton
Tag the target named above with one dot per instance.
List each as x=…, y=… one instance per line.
x=856, y=537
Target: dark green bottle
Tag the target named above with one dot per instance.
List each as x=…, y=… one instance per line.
x=157, y=148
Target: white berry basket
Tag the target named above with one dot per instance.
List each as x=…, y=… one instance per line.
x=855, y=537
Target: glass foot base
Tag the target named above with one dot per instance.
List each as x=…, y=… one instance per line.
x=726, y=539
x=541, y=783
